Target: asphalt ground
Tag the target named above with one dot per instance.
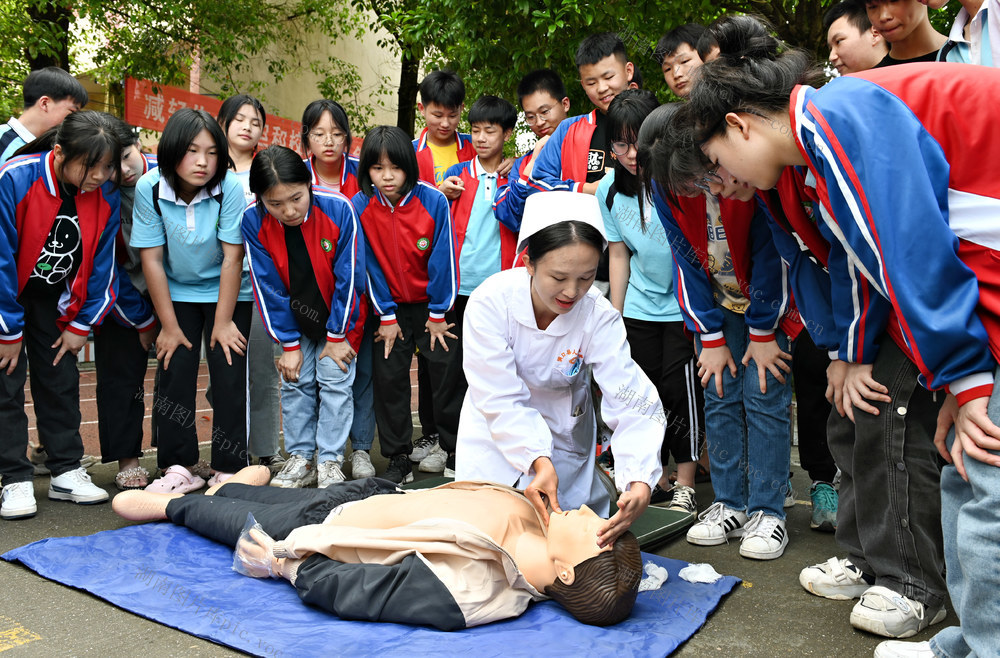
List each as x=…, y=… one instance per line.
x=768, y=615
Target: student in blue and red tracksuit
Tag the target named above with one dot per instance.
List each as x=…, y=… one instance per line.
x=924, y=235
x=121, y=345
x=326, y=139
x=732, y=288
x=59, y=219
x=543, y=99
x=440, y=146
x=306, y=257
x=413, y=282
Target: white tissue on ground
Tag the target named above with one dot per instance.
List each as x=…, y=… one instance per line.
x=699, y=573
x=655, y=577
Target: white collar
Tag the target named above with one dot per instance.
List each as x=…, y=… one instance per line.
x=21, y=131
x=167, y=193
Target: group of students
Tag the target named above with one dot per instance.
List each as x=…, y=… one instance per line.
x=775, y=224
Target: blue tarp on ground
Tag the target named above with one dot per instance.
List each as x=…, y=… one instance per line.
x=175, y=577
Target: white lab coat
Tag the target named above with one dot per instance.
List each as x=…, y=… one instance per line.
x=529, y=394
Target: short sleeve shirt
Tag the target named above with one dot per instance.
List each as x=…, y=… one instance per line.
x=191, y=235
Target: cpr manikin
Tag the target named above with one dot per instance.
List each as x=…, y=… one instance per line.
x=460, y=555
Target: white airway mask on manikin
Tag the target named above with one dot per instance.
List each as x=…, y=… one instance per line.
x=543, y=209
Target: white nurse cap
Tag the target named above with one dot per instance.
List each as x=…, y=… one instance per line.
x=543, y=209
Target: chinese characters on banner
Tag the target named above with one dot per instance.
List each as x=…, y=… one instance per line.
x=149, y=109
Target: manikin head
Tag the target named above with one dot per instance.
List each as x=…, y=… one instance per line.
x=597, y=586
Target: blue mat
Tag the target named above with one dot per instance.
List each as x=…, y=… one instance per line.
x=173, y=576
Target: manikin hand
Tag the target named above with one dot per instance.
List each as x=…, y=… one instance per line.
x=631, y=505
x=544, y=488
x=859, y=387
x=254, y=554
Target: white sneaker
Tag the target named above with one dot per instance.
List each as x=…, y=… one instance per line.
x=717, y=525
x=764, y=537
x=435, y=460
x=329, y=473
x=884, y=612
x=298, y=473
x=836, y=579
x=897, y=649
x=76, y=486
x=361, y=465
x=422, y=447
x=18, y=501
x=683, y=500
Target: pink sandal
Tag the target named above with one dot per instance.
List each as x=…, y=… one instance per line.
x=177, y=479
x=218, y=478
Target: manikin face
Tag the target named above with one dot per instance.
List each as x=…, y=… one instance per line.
x=677, y=69
x=542, y=112
x=327, y=140
x=76, y=173
x=132, y=165
x=199, y=163
x=289, y=204
x=245, y=129
x=895, y=19
x=605, y=80
x=746, y=153
x=442, y=122
x=852, y=51
x=572, y=536
x=560, y=278
x=388, y=178
x=488, y=139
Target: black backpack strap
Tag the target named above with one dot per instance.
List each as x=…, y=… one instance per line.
x=610, y=199
x=156, y=198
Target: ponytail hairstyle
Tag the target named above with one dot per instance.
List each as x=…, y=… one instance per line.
x=667, y=154
x=277, y=165
x=753, y=74
x=86, y=135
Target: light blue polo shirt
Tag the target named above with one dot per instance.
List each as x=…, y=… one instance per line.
x=976, y=51
x=191, y=234
x=650, y=294
x=480, y=257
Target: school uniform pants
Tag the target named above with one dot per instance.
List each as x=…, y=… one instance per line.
x=55, y=392
x=889, y=515
x=175, y=402
x=265, y=404
x=809, y=365
x=392, y=383
x=121, y=370
x=363, y=423
x=666, y=355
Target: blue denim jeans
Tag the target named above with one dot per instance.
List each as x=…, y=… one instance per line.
x=970, y=516
x=318, y=409
x=363, y=425
x=749, y=441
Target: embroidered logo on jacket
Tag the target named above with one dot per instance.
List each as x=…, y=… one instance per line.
x=326, y=244
x=423, y=243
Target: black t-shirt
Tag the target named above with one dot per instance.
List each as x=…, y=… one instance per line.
x=599, y=157
x=61, y=254
x=308, y=305
x=889, y=61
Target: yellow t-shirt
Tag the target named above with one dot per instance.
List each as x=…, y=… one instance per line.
x=444, y=158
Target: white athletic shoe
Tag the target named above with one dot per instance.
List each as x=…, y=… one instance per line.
x=329, y=473
x=297, y=473
x=75, y=486
x=422, y=447
x=897, y=649
x=717, y=525
x=884, y=612
x=435, y=460
x=361, y=465
x=18, y=501
x=764, y=537
x=836, y=579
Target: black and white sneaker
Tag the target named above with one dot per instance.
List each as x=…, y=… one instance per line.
x=717, y=525
x=75, y=486
x=423, y=447
x=399, y=470
x=764, y=537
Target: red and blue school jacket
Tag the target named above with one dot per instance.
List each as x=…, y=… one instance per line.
x=461, y=209
x=132, y=308
x=411, y=256
x=425, y=157
x=897, y=158
x=508, y=204
x=337, y=253
x=562, y=162
x=29, y=205
x=762, y=275
x=348, y=175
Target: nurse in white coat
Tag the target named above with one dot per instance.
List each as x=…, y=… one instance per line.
x=531, y=338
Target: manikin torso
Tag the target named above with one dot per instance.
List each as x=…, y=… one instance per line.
x=503, y=517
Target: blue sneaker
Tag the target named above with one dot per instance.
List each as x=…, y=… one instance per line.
x=824, y=502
